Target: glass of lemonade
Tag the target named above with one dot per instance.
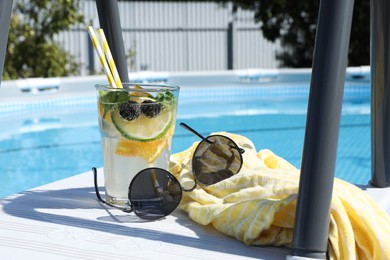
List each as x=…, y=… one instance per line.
x=136, y=123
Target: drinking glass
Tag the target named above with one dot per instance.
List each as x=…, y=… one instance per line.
x=136, y=124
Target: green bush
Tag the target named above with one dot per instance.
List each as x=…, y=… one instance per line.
x=294, y=23
x=32, y=50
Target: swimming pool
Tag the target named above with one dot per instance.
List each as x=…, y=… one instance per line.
x=50, y=140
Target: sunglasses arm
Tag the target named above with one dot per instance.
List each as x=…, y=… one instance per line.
x=127, y=210
x=184, y=125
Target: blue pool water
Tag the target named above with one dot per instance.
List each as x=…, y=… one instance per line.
x=39, y=145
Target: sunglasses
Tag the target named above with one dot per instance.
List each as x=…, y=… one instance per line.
x=155, y=192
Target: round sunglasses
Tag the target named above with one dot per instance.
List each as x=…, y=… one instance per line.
x=155, y=192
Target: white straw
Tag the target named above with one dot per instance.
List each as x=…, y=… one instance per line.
x=110, y=59
x=100, y=53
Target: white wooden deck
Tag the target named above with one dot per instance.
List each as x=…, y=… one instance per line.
x=63, y=220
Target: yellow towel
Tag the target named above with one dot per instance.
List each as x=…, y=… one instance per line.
x=257, y=206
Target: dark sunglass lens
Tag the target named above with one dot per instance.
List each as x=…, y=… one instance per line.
x=216, y=158
x=154, y=193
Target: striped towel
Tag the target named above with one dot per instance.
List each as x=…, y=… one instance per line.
x=257, y=205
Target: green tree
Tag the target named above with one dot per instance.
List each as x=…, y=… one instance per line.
x=32, y=50
x=294, y=24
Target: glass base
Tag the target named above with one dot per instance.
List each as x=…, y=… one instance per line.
x=117, y=201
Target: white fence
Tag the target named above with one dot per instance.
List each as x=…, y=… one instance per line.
x=177, y=36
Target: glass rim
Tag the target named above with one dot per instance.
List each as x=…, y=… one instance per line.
x=147, y=87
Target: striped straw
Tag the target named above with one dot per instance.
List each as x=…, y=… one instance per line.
x=110, y=59
x=101, y=55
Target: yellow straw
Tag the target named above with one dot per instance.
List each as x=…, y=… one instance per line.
x=101, y=55
x=110, y=59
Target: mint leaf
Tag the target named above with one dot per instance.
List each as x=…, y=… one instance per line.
x=112, y=98
x=167, y=100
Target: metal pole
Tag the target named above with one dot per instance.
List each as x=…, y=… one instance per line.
x=91, y=55
x=311, y=229
x=109, y=21
x=5, y=17
x=230, y=46
x=380, y=88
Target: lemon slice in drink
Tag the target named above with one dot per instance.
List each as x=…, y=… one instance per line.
x=149, y=151
x=140, y=93
x=140, y=99
x=143, y=129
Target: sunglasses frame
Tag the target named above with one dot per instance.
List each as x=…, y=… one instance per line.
x=130, y=207
x=169, y=176
x=206, y=140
